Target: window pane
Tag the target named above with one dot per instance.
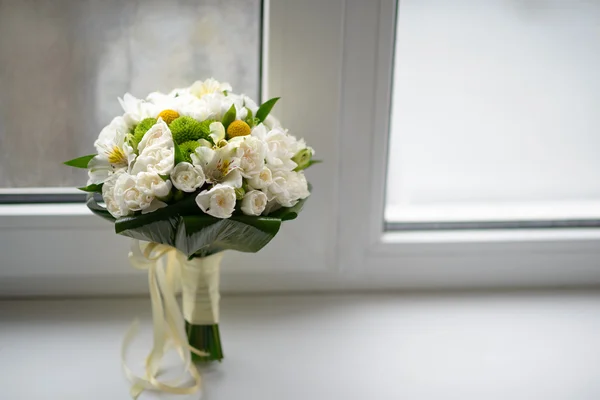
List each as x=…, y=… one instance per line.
x=64, y=63
x=495, y=111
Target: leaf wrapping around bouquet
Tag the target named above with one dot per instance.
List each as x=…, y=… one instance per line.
x=183, y=226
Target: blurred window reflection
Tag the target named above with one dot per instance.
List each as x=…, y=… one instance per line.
x=64, y=63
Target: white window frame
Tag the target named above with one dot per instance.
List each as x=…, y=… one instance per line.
x=331, y=62
x=426, y=259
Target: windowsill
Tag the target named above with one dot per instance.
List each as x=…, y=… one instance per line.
x=474, y=346
x=475, y=212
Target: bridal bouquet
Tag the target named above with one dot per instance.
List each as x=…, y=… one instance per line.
x=188, y=175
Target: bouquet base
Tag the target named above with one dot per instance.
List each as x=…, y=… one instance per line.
x=205, y=338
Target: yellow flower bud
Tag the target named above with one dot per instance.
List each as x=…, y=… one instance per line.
x=238, y=128
x=168, y=116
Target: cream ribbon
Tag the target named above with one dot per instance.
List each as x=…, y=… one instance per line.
x=164, y=268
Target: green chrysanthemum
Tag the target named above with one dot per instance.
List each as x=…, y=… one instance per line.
x=141, y=129
x=185, y=129
x=187, y=148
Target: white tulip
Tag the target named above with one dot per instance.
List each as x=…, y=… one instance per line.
x=129, y=195
x=152, y=184
x=254, y=202
x=218, y=201
x=187, y=177
x=261, y=180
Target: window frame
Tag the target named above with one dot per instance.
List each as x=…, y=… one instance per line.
x=338, y=70
x=431, y=259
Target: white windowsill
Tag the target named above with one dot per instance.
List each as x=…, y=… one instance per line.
x=469, y=346
x=473, y=212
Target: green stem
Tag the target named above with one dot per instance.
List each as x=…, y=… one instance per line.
x=205, y=338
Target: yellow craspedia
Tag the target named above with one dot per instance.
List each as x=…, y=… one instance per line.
x=238, y=128
x=168, y=116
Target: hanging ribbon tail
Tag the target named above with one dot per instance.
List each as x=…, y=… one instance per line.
x=163, y=264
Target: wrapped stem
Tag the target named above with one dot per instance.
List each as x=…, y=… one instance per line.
x=200, y=296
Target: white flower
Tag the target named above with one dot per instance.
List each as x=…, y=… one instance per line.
x=288, y=187
x=114, y=151
x=157, y=151
x=187, y=177
x=217, y=132
x=158, y=135
x=218, y=201
x=220, y=165
x=152, y=184
x=280, y=147
x=251, y=152
x=136, y=109
x=209, y=86
x=155, y=205
x=261, y=180
x=129, y=195
x=254, y=202
x=108, y=195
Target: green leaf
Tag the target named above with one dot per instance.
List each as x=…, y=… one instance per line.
x=93, y=188
x=178, y=154
x=265, y=109
x=229, y=116
x=311, y=162
x=97, y=209
x=80, y=162
x=184, y=226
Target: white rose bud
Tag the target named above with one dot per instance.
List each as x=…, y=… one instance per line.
x=151, y=183
x=218, y=201
x=261, y=180
x=129, y=195
x=187, y=177
x=254, y=202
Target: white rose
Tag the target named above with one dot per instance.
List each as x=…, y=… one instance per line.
x=280, y=148
x=151, y=183
x=157, y=151
x=218, y=201
x=251, y=152
x=261, y=180
x=155, y=159
x=130, y=197
x=187, y=177
x=108, y=195
x=159, y=135
x=288, y=187
x=297, y=185
x=254, y=202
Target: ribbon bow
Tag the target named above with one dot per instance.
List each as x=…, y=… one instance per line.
x=163, y=264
